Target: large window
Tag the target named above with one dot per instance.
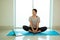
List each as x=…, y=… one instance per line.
x=24, y=11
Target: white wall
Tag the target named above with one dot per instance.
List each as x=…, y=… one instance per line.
x=56, y=13
x=6, y=13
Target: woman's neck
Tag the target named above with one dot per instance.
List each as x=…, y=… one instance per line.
x=34, y=16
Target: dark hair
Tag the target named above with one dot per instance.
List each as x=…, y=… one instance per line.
x=35, y=10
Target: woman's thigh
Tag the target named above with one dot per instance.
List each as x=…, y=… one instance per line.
x=42, y=29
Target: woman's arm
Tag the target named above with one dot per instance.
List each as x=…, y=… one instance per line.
x=31, y=25
x=38, y=24
x=30, y=20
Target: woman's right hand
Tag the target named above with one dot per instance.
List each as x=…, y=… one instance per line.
x=34, y=31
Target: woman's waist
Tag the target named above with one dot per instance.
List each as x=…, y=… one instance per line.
x=34, y=26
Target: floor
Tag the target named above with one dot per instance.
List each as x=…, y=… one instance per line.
x=3, y=36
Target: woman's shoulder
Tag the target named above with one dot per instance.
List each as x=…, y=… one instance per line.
x=38, y=17
x=30, y=17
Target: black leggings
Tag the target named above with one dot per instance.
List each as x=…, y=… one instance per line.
x=26, y=28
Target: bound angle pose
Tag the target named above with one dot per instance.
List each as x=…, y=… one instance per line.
x=34, y=21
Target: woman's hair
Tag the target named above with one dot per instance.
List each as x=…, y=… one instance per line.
x=35, y=10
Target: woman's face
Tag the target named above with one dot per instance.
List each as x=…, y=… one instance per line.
x=33, y=12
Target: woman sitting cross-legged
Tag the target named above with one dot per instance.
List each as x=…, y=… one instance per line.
x=34, y=23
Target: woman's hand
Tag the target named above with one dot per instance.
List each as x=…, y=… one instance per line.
x=30, y=30
x=34, y=31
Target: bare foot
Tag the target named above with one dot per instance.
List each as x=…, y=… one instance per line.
x=30, y=31
x=39, y=31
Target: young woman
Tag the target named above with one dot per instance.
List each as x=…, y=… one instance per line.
x=34, y=23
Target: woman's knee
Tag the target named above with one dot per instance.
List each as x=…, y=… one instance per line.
x=45, y=28
x=24, y=26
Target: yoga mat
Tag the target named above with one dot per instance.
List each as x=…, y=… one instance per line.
x=11, y=33
x=18, y=32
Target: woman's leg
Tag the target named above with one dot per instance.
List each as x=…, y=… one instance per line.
x=42, y=29
x=26, y=28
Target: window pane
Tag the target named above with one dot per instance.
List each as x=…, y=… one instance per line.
x=43, y=7
x=23, y=11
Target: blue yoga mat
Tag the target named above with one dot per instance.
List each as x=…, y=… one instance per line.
x=25, y=33
x=12, y=33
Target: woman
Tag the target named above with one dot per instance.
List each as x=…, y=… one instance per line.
x=34, y=23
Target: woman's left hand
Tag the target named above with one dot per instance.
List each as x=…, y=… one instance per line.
x=36, y=31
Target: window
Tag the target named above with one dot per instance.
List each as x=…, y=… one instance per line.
x=24, y=11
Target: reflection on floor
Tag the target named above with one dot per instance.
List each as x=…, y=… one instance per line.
x=32, y=38
x=3, y=36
